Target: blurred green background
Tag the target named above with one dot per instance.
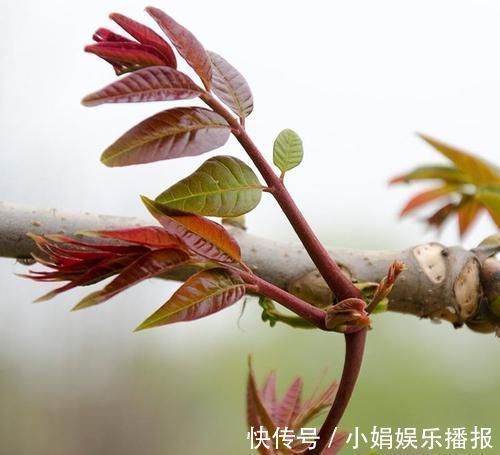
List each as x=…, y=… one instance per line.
x=82, y=383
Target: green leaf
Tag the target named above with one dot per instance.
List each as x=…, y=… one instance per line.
x=156, y=83
x=204, y=293
x=468, y=210
x=447, y=173
x=288, y=150
x=490, y=197
x=222, y=186
x=230, y=86
x=489, y=247
x=182, y=131
x=480, y=171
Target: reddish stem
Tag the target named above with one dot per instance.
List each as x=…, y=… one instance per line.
x=327, y=267
x=354, y=349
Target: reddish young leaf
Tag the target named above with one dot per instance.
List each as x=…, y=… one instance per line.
x=98, y=272
x=182, y=131
x=156, y=83
x=201, y=235
x=186, y=44
x=289, y=406
x=438, y=218
x=111, y=248
x=468, y=211
x=127, y=55
x=257, y=414
x=269, y=394
x=148, y=235
x=427, y=196
x=480, y=171
x=147, y=266
x=103, y=34
x=315, y=405
x=347, y=316
x=145, y=35
x=230, y=86
x=338, y=442
x=202, y=294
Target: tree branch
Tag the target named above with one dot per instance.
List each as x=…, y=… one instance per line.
x=440, y=282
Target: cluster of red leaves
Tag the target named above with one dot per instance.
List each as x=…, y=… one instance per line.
x=148, y=48
x=223, y=186
x=265, y=410
x=467, y=188
x=136, y=254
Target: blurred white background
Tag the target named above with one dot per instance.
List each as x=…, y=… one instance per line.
x=356, y=79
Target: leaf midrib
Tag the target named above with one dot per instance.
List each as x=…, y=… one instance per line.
x=208, y=193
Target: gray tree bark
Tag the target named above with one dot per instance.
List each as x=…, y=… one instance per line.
x=448, y=283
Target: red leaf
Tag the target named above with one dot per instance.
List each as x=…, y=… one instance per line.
x=202, y=294
x=288, y=408
x=126, y=55
x=269, y=393
x=182, y=131
x=186, y=44
x=338, y=442
x=98, y=272
x=230, y=86
x=147, y=266
x=441, y=215
x=347, y=316
x=103, y=34
x=257, y=414
x=199, y=234
x=316, y=404
x=114, y=248
x=426, y=197
x=145, y=35
x=149, y=235
x=156, y=83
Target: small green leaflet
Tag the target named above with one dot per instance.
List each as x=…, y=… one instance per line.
x=288, y=150
x=222, y=186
